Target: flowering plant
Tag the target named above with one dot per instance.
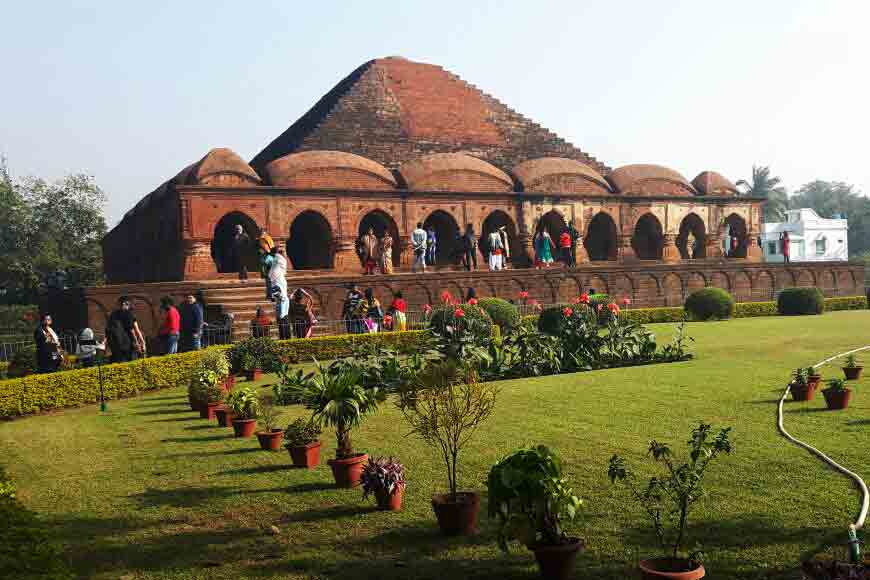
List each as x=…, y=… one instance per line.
x=584, y=298
x=459, y=313
x=567, y=312
x=626, y=301
x=382, y=474
x=472, y=301
x=524, y=295
x=446, y=297
x=613, y=308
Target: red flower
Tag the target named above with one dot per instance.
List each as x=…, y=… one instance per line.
x=459, y=313
x=613, y=308
x=626, y=301
x=599, y=307
x=427, y=309
x=584, y=298
x=472, y=301
x=446, y=297
x=388, y=320
x=524, y=295
x=567, y=312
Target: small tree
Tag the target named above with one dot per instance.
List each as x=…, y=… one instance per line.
x=681, y=485
x=445, y=405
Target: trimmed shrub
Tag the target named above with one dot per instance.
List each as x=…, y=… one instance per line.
x=753, y=309
x=710, y=304
x=846, y=303
x=443, y=316
x=4, y=370
x=502, y=313
x=797, y=301
x=654, y=315
x=551, y=320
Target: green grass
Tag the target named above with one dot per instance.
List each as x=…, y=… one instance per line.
x=149, y=490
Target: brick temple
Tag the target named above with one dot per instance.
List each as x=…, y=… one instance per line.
x=399, y=142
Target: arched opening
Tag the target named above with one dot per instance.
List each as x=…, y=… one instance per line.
x=648, y=239
x=692, y=229
x=448, y=245
x=226, y=256
x=554, y=223
x=381, y=222
x=494, y=222
x=600, y=240
x=736, y=238
x=310, y=245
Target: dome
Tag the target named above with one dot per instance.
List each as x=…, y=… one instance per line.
x=712, y=183
x=454, y=172
x=648, y=179
x=220, y=167
x=557, y=174
x=329, y=170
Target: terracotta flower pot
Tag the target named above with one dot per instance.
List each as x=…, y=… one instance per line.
x=390, y=502
x=814, y=380
x=307, y=456
x=229, y=383
x=207, y=411
x=837, y=400
x=224, y=417
x=194, y=404
x=244, y=427
x=254, y=374
x=347, y=472
x=852, y=373
x=270, y=441
x=802, y=392
x=457, y=517
x=657, y=568
x=557, y=562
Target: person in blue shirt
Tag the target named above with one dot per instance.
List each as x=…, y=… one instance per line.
x=192, y=321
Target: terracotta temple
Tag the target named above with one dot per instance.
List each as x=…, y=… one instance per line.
x=399, y=142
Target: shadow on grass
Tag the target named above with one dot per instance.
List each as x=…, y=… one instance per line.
x=200, y=427
x=763, y=402
x=812, y=410
x=859, y=422
x=191, y=439
x=210, y=453
x=164, y=412
x=190, y=417
x=330, y=513
x=182, y=496
x=257, y=469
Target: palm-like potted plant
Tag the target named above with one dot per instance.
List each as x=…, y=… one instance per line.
x=837, y=395
x=301, y=438
x=385, y=479
x=531, y=500
x=338, y=400
x=270, y=437
x=852, y=370
x=245, y=405
x=800, y=387
x=669, y=498
x=445, y=405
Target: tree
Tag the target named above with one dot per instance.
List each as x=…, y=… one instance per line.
x=768, y=187
x=835, y=197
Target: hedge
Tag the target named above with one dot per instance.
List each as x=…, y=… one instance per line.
x=710, y=304
x=797, y=301
x=846, y=303
x=4, y=369
x=42, y=392
x=654, y=315
x=502, y=312
x=753, y=309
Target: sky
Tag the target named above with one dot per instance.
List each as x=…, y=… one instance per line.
x=132, y=92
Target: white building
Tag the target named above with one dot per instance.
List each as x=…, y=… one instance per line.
x=812, y=238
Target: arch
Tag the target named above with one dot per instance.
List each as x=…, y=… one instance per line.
x=649, y=288
x=827, y=283
x=310, y=245
x=447, y=233
x=695, y=281
x=569, y=289
x=648, y=239
x=720, y=280
x=382, y=222
x=495, y=220
x=742, y=287
x=736, y=236
x=222, y=251
x=672, y=288
x=597, y=283
x=763, y=286
x=600, y=240
x=805, y=279
x=693, y=224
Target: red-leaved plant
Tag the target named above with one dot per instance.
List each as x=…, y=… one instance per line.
x=382, y=474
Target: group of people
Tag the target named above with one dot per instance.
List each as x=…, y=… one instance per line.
x=546, y=251
x=363, y=313
x=424, y=243
x=293, y=312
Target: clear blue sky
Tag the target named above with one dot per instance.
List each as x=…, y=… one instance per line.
x=133, y=92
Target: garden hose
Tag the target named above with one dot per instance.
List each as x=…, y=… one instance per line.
x=854, y=543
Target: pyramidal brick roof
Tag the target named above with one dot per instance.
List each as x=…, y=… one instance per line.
x=393, y=110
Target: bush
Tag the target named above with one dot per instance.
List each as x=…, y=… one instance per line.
x=551, y=320
x=4, y=370
x=797, y=301
x=846, y=303
x=502, y=313
x=710, y=304
x=254, y=353
x=753, y=309
x=22, y=363
x=654, y=315
x=298, y=350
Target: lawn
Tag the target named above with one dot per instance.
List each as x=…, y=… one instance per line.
x=149, y=490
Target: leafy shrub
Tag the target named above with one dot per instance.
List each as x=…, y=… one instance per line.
x=846, y=303
x=551, y=320
x=286, y=390
x=206, y=387
x=580, y=336
x=215, y=360
x=710, y=304
x=532, y=354
x=331, y=347
x=301, y=432
x=627, y=342
x=463, y=330
x=502, y=313
x=654, y=315
x=22, y=363
x=255, y=353
x=244, y=403
x=797, y=301
x=4, y=370
x=753, y=309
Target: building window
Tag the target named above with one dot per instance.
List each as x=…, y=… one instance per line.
x=771, y=248
x=820, y=247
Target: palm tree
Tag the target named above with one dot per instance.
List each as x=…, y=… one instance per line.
x=768, y=187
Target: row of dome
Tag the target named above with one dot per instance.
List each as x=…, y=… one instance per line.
x=458, y=172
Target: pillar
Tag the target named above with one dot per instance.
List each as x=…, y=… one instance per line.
x=753, y=250
x=198, y=262
x=345, y=259
x=625, y=253
x=670, y=252
x=714, y=246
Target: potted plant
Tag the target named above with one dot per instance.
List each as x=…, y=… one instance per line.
x=301, y=438
x=445, y=404
x=206, y=391
x=670, y=497
x=385, y=479
x=245, y=406
x=531, y=500
x=837, y=395
x=338, y=400
x=224, y=416
x=800, y=388
x=852, y=370
x=270, y=437
x=814, y=377
x=252, y=355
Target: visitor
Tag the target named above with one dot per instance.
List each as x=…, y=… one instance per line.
x=370, y=312
x=301, y=314
x=565, y=248
x=574, y=234
x=734, y=246
x=786, y=247
x=431, y=245
x=123, y=333
x=690, y=245
x=543, y=249
x=505, y=246
x=349, y=310
x=367, y=246
x=418, y=244
x=471, y=295
x=170, y=328
x=278, y=273
x=239, y=249
x=266, y=248
x=398, y=310
x=385, y=250
x=88, y=345
x=282, y=310
x=49, y=354
x=192, y=322
x=469, y=247
x=260, y=324
x=494, y=243
x=265, y=243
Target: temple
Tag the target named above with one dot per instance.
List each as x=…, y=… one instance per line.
x=399, y=142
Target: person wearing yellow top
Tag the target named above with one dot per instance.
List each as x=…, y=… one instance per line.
x=265, y=242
